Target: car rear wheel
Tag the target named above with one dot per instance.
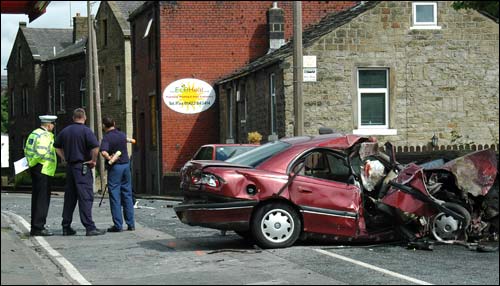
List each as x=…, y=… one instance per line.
x=276, y=225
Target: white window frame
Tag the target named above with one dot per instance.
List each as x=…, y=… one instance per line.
x=62, y=102
x=374, y=129
x=424, y=25
x=272, y=102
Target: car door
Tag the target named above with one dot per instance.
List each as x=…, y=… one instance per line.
x=328, y=201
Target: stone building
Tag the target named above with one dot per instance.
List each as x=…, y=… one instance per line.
x=401, y=71
x=199, y=40
x=114, y=54
x=45, y=72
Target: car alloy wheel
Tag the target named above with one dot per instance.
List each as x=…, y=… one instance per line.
x=276, y=225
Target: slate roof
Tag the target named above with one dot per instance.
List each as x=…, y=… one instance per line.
x=122, y=9
x=42, y=41
x=76, y=48
x=309, y=36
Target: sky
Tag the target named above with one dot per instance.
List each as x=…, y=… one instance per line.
x=59, y=14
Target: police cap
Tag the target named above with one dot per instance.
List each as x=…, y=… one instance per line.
x=47, y=118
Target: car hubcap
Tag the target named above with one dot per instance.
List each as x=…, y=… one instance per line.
x=445, y=227
x=277, y=226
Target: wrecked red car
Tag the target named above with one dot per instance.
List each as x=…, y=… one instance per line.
x=341, y=186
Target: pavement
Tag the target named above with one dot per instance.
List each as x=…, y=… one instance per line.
x=24, y=259
x=21, y=263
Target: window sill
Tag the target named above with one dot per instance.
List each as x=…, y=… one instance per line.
x=425, y=28
x=375, y=131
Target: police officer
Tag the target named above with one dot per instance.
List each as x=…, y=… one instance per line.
x=114, y=150
x=77, y=145
x=42, y=161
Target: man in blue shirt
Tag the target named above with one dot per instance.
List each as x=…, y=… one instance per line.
x=77, y=145
x=113, y=143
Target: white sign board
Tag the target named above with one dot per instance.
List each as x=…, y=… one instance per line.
x=189, y=96
x=309, y=61
x=5, y=151
x=309, y=75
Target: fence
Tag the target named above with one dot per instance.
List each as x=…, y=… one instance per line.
x=421, y=154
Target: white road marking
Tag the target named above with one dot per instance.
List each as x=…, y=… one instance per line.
x=63, y=262
x=385, y=271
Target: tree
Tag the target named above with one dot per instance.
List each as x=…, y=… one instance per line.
x=490, y=7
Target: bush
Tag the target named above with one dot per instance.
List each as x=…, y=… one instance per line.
x=254, y=137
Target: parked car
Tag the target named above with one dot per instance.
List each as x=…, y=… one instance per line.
x=344, y=187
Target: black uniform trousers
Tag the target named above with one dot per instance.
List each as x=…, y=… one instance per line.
x=40, y=198
x=79, y=188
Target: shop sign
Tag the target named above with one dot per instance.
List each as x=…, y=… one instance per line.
x=189, y=96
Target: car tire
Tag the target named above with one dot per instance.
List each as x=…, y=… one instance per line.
x=276, y=225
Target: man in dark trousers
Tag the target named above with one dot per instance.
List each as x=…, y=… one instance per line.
x=77, y=145
x=42, y=161
x=114, y=150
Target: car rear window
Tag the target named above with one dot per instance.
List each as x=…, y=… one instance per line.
x=225, y=152
x=260, y=154
x=205, y=153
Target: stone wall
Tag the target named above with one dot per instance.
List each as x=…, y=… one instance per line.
x=442, y=81
x=32, y=76
x=114, y=67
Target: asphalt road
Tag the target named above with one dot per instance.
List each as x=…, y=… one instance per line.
x=162, y=250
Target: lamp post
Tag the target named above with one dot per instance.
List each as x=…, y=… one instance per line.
x=434, y=140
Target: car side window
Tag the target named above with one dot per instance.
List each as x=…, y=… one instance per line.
x=324, y=165
x=205, y=153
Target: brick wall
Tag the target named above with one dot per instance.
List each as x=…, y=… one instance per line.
x=113, y=68
x=207, y=40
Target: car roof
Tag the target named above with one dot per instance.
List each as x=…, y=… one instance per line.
x=230, y=145
x=336, y=140
x=280, y=161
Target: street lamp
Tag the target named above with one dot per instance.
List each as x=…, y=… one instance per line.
x=434, y=140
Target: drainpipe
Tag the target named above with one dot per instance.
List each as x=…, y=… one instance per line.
x=297, y=70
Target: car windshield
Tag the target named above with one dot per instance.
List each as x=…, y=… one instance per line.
x=225, y=152
x=260, y=154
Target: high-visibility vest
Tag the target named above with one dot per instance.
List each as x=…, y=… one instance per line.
x=39, y=150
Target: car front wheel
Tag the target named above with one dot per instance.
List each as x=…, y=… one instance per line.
x=276, y=225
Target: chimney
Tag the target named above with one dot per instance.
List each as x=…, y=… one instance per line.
x=80, y=27
x=276, y=27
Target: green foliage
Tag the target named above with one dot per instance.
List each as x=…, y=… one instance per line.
x=5, y=113
x=490, y=7
x=455, y=136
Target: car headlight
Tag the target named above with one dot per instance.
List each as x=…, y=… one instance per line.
x=210, y=180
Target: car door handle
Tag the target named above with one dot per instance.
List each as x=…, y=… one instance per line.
x=302, y=190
